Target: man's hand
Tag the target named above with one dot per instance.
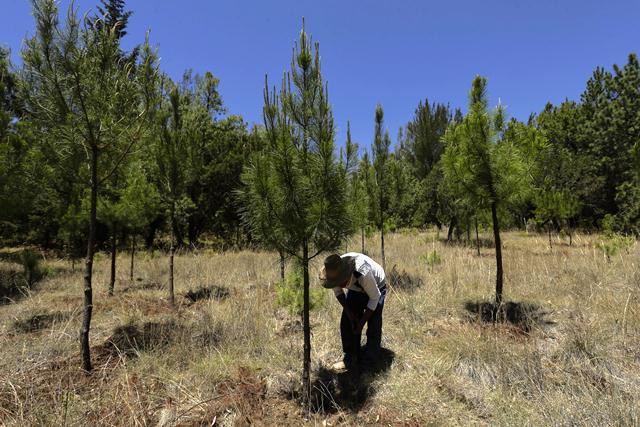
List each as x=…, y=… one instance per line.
x=362, y=321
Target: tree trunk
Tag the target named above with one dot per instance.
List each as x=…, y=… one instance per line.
x=384, y=267
x=468, y=232
x=150, y=235
x=88, y=270
x=452, y=226
x=362, y=235
x=171, y=253
x=112, y=280
x=133, y=253
x=306, y=365
x=549, y=230
x=177, y=233
x=281, y=266
x=570, y=232
x=498, y=244
x=477, y=238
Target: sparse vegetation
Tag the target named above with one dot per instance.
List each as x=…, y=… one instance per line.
x=289, y=294
x=235, y=358
x=611, y=244
x=431, y=259
x=105, y=155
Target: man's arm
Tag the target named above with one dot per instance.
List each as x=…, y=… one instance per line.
x=342, y=299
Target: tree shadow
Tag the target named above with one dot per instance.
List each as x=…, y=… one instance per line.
x=523, y=316
x=484, y=243
x=403, y=280
x=40, y=321
x=205, y=293
x=332, y=390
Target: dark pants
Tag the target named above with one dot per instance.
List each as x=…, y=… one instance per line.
x=357, y=303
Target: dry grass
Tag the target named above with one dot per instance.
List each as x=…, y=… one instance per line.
x=236, y=359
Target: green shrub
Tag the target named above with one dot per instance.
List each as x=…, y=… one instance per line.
x=613, y=244
x=290, y=293
x=432, y=258
x=30, y=261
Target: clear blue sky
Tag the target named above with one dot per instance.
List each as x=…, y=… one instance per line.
x=392, y=52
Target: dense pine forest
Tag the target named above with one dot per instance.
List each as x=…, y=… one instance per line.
x=169, y=155
x=113, y=173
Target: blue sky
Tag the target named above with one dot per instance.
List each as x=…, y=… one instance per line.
x=392, y=52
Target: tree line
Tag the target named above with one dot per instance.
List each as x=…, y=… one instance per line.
x=101, y=150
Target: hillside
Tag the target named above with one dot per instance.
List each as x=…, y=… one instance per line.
x=572, y=358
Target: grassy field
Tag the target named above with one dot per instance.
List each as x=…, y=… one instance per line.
x=236, y=358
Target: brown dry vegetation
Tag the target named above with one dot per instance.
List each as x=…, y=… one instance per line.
x=237, y=359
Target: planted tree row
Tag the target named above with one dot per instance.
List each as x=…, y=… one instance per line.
x=105, y=151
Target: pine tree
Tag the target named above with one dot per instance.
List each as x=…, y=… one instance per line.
x=379, y=190
x=484, y=168
x=80, y=95
x=357, y=192
x=295, y=190
x=112, y=15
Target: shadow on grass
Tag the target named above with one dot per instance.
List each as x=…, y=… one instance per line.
x=205, y=293
x=523, y=316
x=332, y=390
x=38, y=322
x=131, y=339
x=484, y=243
x=403, y=280
x=146, y=286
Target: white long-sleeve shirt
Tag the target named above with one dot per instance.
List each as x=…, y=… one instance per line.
x=368, y=277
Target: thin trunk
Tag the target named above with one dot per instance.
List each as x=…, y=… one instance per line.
x=362, y=235
x=570, y=232
x=177, y=233
x=133, y=253
x=452, y=226
x=384, y=267
x=281, y=266
x=73, y=264
x=468, y=232
x=88, y=270
x=382, y=247
x=306, y=366
x=171, y=253
x=112, y=280
x=477, y=238
x=549, y=230
x=498, y=244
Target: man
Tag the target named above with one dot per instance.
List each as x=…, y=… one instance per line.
x=364, y=280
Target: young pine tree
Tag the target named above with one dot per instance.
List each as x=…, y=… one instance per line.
x=356, y=188
x=379, y=189
x=79, y=94
x=295, y=191
x=483, y=168
x=556, y=206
